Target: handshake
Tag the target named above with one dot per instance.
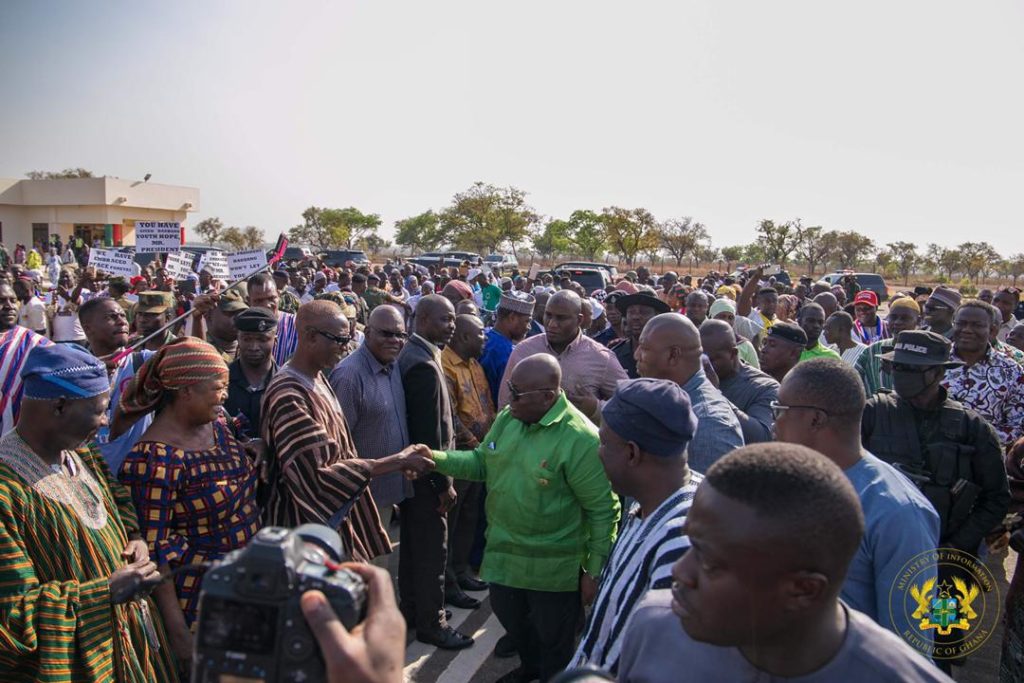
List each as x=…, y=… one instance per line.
x=413, y=461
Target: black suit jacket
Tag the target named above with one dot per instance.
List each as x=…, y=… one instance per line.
x=428, y=405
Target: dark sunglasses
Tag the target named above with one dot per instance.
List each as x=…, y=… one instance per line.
x=340, y=341
x=516, y=394
x=388, y=334
x=918, y=369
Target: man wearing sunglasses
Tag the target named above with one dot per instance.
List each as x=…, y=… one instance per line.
x=951, y=452
x=551, y=514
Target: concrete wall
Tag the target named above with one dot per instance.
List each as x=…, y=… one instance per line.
x=63, y=202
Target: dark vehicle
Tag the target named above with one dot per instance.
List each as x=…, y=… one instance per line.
x=436, y=261
x=460, y=256
x=871, y=281
x=297, y=253
x=607, y=267
x=592, y=279
x=143, y=259
x=336, y=258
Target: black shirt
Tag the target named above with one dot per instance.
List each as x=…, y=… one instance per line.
x=244, y=400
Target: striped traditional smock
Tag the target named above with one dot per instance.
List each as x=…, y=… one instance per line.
x=316, y=470
x=61, y=537
x=641, y=560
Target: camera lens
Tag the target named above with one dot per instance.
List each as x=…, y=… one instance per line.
x=323, y=537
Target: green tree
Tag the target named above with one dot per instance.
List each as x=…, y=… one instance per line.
x=234, y=238
x=851, y=247
x=629, y=231
x=815, y=247
x=552, y=240
x=353, y=226
x=1016, y=267
x=681, y=237
x=210, y=229
x=252, y=237
x=705, y=253
x=486, y=217
x=586, y=234
x=779, y=240
x=754, y=254
x=316, y=228
x=420, y=232
x=947, y=261
x=904, y=256
x=732, y=255
x=374, y=244
x=55, y=175
x=976, y=257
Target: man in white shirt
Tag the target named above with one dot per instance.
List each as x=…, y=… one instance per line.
x=32, y=312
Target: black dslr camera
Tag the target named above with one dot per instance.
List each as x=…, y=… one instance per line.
x=251, y=628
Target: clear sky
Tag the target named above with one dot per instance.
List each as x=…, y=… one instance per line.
x=902, y=120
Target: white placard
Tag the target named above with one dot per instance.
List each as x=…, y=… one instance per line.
x=216, y=263
x=113, y=261
x=152, y=237
x=179, y=264
x=245, y=263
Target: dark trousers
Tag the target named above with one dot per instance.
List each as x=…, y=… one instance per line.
x=462, y=522
x=422, y=555
x=542, y=626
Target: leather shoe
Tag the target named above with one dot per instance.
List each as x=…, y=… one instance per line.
x=445, y=639
x=505, y=648
x=410, y=621
x=459, y=599
x=470, y=583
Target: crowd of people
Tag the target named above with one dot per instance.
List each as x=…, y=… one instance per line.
x=672, y=478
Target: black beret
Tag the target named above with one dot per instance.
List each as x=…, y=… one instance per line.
x=256, y=319
x=790, y=332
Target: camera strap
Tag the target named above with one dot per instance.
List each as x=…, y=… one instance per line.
x=342, y=513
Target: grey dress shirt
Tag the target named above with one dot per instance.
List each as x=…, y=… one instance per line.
x=718, y=428
x=751, y=393
x=373, y=401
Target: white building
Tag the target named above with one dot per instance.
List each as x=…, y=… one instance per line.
x=103, y=209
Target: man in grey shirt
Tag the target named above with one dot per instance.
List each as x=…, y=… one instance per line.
x=670, y=348
x=756, y=597
x=369, y=389
x=750, y=391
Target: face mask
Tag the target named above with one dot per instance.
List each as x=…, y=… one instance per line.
x=910, y=384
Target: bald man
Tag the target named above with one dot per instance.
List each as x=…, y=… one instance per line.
x=423, y=552
x=750, y=391
x=319, y=473
x=551, y=514
x=590, y=372
x=670, y=348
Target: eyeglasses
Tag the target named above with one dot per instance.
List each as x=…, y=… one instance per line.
x=929, y=306
x=778, y=410
x=340, y=341
x=388, y=334
x=516, y=394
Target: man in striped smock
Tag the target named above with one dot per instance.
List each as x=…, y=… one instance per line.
x=15, y=344
x=646, y=427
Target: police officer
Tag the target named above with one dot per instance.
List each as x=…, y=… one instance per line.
x=949, y=451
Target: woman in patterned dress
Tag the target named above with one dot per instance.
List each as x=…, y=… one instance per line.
x=193, y=484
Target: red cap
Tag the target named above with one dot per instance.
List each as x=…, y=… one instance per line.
x=866, y=296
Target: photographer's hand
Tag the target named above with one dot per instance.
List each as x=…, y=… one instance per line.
x=374, y=651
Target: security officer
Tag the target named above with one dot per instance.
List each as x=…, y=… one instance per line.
x=949, y=451
x=153, y=310
x=251, y=371
x=636, y=310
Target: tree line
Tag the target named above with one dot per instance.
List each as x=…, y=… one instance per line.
x=487, y=218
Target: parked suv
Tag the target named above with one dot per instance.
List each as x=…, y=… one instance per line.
x=336, y=258
x=502, y=263
x=592, y=279
x=871, y=281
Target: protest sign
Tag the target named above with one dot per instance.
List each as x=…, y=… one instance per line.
x=113, y=261
x=534, y=271
x=215, y=263
x=179, y=264
x=153, y=237
x=245, y=263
